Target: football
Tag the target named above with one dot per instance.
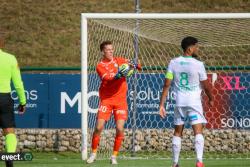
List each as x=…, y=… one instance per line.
x=124, y=67
x=127, y=71
x=130, y=72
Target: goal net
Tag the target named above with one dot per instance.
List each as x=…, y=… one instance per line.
x=155, y=39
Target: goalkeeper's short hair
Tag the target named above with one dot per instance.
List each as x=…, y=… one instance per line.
x=104, y=43
x=187, y=42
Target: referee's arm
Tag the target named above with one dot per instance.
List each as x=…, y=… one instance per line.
x=18, y=83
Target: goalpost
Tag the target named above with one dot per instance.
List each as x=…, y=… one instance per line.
x=225, y=49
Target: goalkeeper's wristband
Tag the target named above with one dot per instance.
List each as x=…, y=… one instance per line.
x=134, y=64
x=118, y=75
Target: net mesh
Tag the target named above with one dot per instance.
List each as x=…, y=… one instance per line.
x=225, y=50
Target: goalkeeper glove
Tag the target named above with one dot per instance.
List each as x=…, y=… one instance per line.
x=118, y=75
x=124, y=69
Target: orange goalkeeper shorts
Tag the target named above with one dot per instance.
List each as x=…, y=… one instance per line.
x=119, y=109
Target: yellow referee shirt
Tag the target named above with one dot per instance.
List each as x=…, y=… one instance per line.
x=9, y=70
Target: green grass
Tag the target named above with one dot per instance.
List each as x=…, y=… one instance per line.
x=74, y=160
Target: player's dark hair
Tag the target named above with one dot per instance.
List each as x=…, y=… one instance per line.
x=104, y=43
x=187, y=42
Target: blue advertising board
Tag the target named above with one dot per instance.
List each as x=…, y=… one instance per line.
x=54, y=101
x=37, y=94
x=65, y=101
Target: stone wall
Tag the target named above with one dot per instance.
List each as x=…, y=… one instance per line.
x=229, y=141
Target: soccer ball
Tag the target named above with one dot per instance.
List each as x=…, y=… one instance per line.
x=128, y=72
x=124, y=67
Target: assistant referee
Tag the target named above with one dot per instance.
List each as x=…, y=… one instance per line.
x=9, y=71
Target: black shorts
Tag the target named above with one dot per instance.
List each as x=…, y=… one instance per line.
x=7, y=117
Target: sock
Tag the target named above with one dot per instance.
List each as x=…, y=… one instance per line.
x=95, y=142
x=10, y=143
x=115, y=153
x=9, y=163
x=199, y=146
x=176, y=148
x=118, y=142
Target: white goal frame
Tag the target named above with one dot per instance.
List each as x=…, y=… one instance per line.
x=84, y=50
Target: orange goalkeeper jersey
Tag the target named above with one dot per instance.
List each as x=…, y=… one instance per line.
x=112, y=89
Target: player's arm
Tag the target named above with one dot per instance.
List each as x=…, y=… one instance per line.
x=134, y=63
x=105, y=75
x=165, y=90
x=208, y=90
x=18, y=84
x=205, y=84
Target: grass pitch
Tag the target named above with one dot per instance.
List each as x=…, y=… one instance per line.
x=74, y=160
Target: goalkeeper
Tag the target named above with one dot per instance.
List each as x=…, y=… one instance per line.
x=9, y=70
x=113, y=96
x=189, y=77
